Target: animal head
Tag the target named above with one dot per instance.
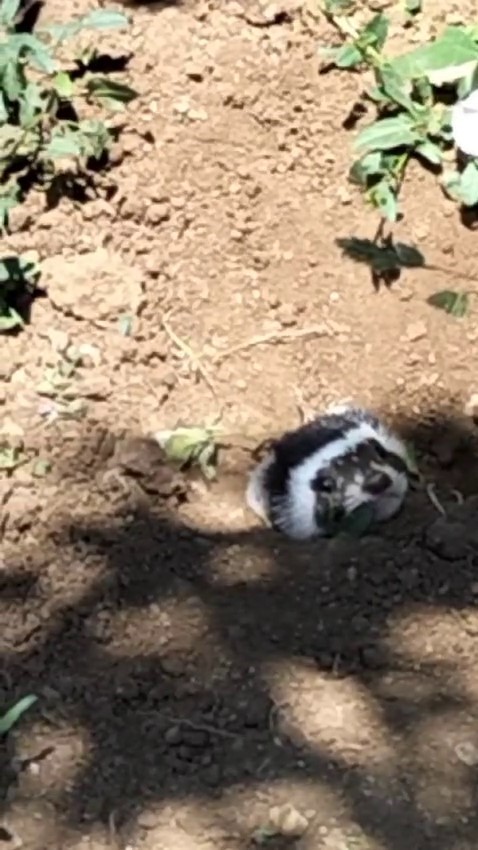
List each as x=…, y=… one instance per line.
x=367, y=474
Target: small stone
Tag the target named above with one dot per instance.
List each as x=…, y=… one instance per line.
x=173, y=736
x=172, y=666
x=59, y=340
x=198, y=114
x=471, y=407
x=467, y=753
x=149, y=819
x=416, y=331
x=287, y=315
x=182, y=106
x=287, y=820
x=157, y=213
x=194, y=71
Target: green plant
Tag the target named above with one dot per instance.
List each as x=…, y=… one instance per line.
x=59, y=388
x=41, y=103
x=43, y=134
x=191, y=447
x=18, y=280
x=15, y=712
x=10, y=457
x=411, y=95
x=425, y=102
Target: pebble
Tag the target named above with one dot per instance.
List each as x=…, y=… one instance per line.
x=148, y=820
x=157, y=213
x=287, y=820
x=194, y=71
x=467, y=753
x=416, y=331
x=173, y=735
x=471, y=407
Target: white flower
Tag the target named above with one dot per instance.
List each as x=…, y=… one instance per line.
x=464, y=124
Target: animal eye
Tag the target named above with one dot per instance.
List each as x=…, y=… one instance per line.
x=323, y=484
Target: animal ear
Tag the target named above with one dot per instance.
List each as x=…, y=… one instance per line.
x=376, y=483
x=322, y=483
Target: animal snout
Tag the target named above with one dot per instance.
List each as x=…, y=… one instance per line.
x=377, y=483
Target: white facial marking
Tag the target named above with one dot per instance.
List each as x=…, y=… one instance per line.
x=297, y=510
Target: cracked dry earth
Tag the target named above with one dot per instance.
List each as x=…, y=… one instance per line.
x=201, y=683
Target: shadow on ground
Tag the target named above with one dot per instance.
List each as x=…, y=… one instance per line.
x=166, y=659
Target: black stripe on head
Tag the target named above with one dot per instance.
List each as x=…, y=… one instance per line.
x=296, y=446
x=390, y=458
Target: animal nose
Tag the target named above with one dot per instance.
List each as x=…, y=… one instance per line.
x=376, y=483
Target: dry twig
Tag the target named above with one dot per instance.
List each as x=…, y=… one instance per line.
x=272, y=337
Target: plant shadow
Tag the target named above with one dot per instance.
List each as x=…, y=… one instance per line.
x=190, y=657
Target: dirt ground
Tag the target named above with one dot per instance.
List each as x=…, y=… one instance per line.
x=201, y=683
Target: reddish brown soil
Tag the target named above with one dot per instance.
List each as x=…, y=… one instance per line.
x=201, y=683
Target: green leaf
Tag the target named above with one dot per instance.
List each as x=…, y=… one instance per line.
x=431, y=152
x=469, y=185
x=31, y=104
x=374, y=34
x=61, y=146
x=63, y=85
x=462, y=187
x=125, y=325
x=454, y=303
x=10, y=457
x=9, y=198
x=413, y=7
x=103, y=88
x=94, y=137
x=347, y=56
x=104, y=19
x=368, y=166
x=18, y=272
x=30, y=47
x=85, y=139
x=13, y=715
x=354, y=524
x=8, y=12
x=190, y=445
x=9, y=319
x=468, y=83
x=395, y=88
x=13, y=80
x=206, y=459
x=182, y=444
x=444, y=60
x=384, y=198
x=338, y=7
x=388, y=133
x=358, y=522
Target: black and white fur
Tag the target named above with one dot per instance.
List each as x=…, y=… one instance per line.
x=331, y=465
